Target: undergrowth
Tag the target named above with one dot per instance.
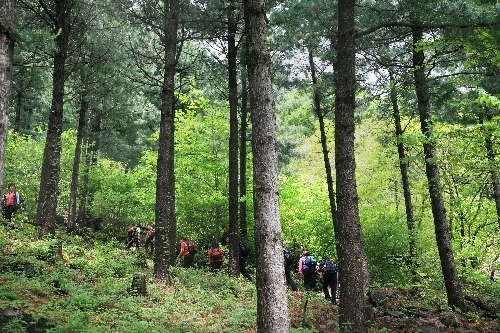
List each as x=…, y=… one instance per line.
x=82, y=286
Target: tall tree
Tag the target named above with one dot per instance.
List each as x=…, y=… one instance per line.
x=353, y=263
x=318, y=110
x=58, y=14
x=232, y=56
x=7, y=19
x=165, y=223
x=72, y=210
x=243, y=153
x=272, y=309
x=442, y=230
x=405, y=179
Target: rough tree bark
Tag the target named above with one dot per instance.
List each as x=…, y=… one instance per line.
x=49, y=180
x=353, y=263
x=272, y=309
x=232, y=54
x=165, y=223
x=7, y=19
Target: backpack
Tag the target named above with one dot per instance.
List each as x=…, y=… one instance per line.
x=21, y=198
x=216, y=254
x=288, y=256
x=244, y=250
x=192, y=248
x=310, y=261
x=330, y=267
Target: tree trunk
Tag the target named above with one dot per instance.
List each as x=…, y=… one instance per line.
x=232, y=55
x=82, y=206
x=91, y=152
x=353, y=263
x=49, y=180
x=76, y=165
x=272, y=308
x=403, y=168
x=324, y=147
x=443, y=237
x=7, y=19
x=165, y=224
x=243, y=153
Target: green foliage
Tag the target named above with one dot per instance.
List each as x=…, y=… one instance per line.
x=306, y=220
x=17, y=325
x=8, y=295
x=201, y=158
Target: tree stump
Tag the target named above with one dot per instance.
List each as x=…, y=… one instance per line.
x=138, y=286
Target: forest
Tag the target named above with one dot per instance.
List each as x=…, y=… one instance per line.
x=368, y=131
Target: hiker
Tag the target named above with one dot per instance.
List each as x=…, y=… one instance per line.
x=288, y=262
x=329, y=270
x=150, y=240
x=187, y=251
x=130, y=234
x=215, y=257
x=244, y=252
x=134, y=236
x=307, y=270
x=12, y=202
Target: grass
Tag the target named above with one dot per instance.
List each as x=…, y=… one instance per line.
x=80, y=284
x=86, y=289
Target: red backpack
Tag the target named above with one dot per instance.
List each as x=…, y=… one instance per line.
x=216, y=254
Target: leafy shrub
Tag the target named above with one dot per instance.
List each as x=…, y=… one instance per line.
x=7, y=294
x=16, y=325
x=84, y=301
x=77, y=321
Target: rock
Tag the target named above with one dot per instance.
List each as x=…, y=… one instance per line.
x=448, y=319
x=462, y=330
x=378, y=298
x=439, y=324
x=394, y=313
x=11, y=313
x=138, y=285
x=26, y=321
x=428, y=329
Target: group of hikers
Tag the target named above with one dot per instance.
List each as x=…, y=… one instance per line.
x=309, y=269
x=137, y=233
x=215, y=255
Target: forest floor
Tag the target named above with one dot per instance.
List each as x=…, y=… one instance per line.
x=398, y=314
x=80, y=284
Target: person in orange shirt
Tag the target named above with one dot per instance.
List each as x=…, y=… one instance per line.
x=12, y=202
x=185, y=253
x=215, y=257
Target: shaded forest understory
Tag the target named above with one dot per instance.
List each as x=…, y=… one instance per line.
x=70, y=283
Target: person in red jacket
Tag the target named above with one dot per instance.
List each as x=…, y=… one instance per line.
x=186, y=253
x=12, y=202
x=150, y=240
x=215, y=257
